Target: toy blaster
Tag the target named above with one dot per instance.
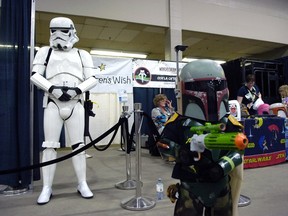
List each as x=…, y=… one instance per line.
x=215, y=138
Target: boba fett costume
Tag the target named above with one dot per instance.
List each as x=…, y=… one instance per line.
x=204, y=187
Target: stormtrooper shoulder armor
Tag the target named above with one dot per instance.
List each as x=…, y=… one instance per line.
x=86, y=58
x=87, y=63
x=39, y=67
x=40, y=60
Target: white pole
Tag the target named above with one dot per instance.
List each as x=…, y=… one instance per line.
x=31, y=85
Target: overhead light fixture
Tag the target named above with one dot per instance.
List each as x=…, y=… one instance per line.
x=8, y=46
x=15, y=46
x=117, y=53
x=194, y=59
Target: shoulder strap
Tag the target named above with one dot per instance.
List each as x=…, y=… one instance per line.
x=252, y=92
x=48, y=56
x=80, y=58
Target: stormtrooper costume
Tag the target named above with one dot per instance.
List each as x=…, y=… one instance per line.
x=63, y=73
x=209, y=185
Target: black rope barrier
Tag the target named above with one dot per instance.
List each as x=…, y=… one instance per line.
x=130, y=138
x=92, y=143
x=110, y=142
x=123, y=122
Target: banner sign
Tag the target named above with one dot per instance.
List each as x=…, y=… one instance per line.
x=266, y=145
x=115, y=75
x=122, y=74
x=155, y=74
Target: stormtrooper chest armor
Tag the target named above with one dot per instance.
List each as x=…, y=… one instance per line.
x=65, y=68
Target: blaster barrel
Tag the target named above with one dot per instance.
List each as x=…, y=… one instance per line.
x=226, y=141
x=208, y=128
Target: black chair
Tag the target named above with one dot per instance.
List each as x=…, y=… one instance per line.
x=153, y=136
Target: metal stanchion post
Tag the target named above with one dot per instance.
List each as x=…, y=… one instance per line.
x=138, y=202
x=128, y=183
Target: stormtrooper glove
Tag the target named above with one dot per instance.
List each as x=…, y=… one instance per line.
x=59, y=93
x=74, y=92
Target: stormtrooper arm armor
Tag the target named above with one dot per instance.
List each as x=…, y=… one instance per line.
x=45, y=85
x=38, y=70
x=87, y=84
x=40, y=81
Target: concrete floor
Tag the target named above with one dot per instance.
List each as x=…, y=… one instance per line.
x=266, y=187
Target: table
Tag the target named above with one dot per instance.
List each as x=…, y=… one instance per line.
x=266, y=145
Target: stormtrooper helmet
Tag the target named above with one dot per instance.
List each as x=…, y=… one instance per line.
x=204, y=91
x=62, y=34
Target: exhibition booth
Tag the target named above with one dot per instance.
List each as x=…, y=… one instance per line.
x=266, y=134
x=129, y=81
x=125, y=81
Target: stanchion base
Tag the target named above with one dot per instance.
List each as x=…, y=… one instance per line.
x=10, y=191
x=126, y=185
x=2, y=188
x=138, y=203
x=244, y=201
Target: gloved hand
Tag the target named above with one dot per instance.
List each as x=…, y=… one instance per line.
x=173, y=192
x=212, y=174
x=74, y=92
x=197, y=143
x=59, y=93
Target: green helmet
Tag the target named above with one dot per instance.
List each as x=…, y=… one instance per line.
x=204, y=91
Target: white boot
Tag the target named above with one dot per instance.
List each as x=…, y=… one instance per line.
x=47, y=175
x=79, y=163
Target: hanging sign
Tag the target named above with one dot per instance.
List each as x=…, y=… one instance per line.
x=155, y=74
x=115, y=74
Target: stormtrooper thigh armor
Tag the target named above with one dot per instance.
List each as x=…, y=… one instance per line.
x=70, y=113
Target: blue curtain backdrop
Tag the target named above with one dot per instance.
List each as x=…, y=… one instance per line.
x=145, y=96
x=14, y=91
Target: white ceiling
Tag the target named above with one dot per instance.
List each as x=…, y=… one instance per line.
x=115, y=35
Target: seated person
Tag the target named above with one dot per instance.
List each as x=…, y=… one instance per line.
x=248, y=94
x=283, y=91
x=162, y=111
